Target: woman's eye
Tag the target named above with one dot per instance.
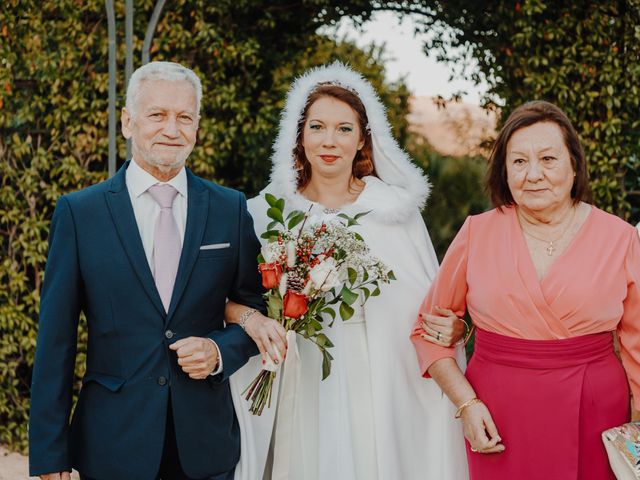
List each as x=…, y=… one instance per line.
x=346, y=129
x=315, y=126
x=548, y=158
x=519, y=161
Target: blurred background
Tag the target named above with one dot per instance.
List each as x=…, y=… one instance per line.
x=448, y=72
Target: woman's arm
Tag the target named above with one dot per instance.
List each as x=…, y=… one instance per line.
x=478, y=425
x=268, y=334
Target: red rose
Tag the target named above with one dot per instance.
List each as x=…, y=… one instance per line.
x=295, y=304
x=270, y=274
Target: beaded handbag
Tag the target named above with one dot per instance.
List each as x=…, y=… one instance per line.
x=623, y=448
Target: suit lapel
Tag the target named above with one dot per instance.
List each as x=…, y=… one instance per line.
x=197, y=212
x=125, y=221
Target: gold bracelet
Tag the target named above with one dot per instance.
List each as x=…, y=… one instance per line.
x=466, y=404
x=245, y=316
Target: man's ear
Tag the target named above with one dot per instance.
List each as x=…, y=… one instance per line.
x=127, y=123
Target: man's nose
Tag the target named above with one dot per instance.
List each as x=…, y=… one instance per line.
x=171, y=127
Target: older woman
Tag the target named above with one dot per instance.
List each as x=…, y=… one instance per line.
x=546, y=278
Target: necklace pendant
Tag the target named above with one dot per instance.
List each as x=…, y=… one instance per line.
x=550, y=248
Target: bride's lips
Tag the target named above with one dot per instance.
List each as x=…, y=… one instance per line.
x=329, y=158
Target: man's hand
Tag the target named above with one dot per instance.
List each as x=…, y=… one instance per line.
x=197, y=356
x=56, y=476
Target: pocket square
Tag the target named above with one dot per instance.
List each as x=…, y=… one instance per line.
x=215, y=246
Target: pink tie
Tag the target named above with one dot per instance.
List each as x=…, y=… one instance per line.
x=166, y=243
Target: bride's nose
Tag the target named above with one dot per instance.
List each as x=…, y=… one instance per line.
x=328, y=140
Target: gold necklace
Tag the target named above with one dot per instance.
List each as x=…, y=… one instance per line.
x=550, y=247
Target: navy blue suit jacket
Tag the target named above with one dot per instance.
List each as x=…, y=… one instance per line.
x=97, y=265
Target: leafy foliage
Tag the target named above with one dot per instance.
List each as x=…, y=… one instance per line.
x=582, y=56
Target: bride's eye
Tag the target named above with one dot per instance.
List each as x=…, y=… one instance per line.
x=315, y=126
x=346, y=129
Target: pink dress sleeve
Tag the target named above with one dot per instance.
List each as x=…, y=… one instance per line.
x=448, y=290
x=629, y=326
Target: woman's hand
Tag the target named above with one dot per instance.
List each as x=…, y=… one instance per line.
x=269, y=335
x=443, y=327
x=479, y=429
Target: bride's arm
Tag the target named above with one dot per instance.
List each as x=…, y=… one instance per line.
x=269, y=335
x=443, y=327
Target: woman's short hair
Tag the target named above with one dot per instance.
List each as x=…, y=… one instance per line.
x=363, y=162
x=524, y=116
x=168, y=71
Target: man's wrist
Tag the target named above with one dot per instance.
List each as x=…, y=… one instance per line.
x=218, y=367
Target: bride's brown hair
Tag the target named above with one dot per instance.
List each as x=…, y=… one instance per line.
x=363, y=161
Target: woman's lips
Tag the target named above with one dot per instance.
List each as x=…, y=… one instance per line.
x=329, y=158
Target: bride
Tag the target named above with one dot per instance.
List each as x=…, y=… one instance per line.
x=374, y=417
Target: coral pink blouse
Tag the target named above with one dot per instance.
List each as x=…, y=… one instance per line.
x=593, y=286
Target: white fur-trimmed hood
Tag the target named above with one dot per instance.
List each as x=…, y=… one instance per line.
x=409, y=184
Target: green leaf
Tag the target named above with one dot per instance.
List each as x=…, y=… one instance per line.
x=329, y=311
x=280, y=205
x=391, y=275
x=274, y=306
x=271, y=199
x=348, y=296
x=295, y=220
x=367, y=293
x=276, y=214
x=376, y=292
x=269, y=234
x=326, y=364
x=361, y=214
x=346, y=311
x=352, y=274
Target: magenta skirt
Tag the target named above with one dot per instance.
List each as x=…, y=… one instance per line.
x=550, y=400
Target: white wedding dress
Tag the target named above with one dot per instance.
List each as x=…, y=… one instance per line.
x=374, y=417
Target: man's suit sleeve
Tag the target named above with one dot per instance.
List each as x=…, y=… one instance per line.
x=236, y=347
x=52, y=382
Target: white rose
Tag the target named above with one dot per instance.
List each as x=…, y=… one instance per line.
x=324, y=275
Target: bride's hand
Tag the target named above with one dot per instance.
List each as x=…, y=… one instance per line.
x=442, y=327
x=269, y=335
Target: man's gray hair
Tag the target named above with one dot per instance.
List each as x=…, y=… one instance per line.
x=167, y=71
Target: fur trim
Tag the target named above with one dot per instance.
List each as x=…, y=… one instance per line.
x=392, y=164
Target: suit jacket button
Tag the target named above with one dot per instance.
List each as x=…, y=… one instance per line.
x=168, y=334
x=162, y=381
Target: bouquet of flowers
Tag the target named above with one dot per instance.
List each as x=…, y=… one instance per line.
x=311, y=268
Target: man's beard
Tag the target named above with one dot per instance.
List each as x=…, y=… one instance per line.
x=151, y=159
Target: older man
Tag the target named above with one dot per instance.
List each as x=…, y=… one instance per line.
x=150, y=256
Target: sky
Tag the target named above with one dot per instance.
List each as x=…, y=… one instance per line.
x=405, y=56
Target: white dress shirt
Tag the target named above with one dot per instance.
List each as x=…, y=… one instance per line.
x=146, y=211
